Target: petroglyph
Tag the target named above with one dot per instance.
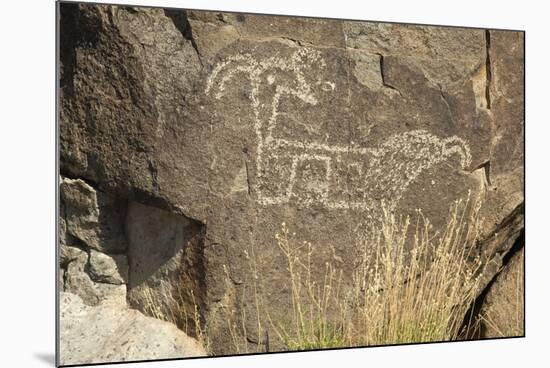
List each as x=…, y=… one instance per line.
x=313, y=172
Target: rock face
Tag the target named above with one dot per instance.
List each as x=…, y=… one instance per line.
x=110, y=332
x=215, y=128
x=502, y=311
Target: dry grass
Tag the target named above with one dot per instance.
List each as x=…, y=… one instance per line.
x=404, y=288
x=410, y=284
x=167, y=303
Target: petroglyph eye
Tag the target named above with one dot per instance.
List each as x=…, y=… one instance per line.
x=270, y=79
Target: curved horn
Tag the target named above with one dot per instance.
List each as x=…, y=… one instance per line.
x=456, y=145
x=245, y=63
x=241, y=63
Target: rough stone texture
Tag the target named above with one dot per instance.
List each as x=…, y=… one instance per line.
x=109, y=269
x=507, y=102
x=446, y=56
x=91, y=223
x=214, y=31
x=110, y=332
x=242, y=122
x=92, y=217
x=149, y=50
x=78, y=281
x=505, y=181
x=503, y=307
x=68, y=254
x=166, y=264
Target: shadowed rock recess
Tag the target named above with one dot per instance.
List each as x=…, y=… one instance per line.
x=188, y=137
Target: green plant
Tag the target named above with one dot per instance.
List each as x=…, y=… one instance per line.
x=312, y=326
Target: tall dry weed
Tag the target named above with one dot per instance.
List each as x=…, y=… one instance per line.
x=409, y=285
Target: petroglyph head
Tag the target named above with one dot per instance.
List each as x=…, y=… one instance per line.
x=296, y=74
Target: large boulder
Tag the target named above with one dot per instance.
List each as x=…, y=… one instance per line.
x=110, y=332
x=236, y=123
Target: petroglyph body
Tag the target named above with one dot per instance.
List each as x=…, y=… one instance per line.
x=313, y=172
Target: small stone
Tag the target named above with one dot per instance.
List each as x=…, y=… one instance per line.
x=79, y=282
x=68, y=254
x=112, y=269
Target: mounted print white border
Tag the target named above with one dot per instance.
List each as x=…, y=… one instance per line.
x=27, y=148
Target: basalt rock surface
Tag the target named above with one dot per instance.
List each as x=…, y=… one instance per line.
x=222, y=126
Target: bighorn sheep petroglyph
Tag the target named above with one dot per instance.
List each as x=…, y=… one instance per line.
x=311, y=172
